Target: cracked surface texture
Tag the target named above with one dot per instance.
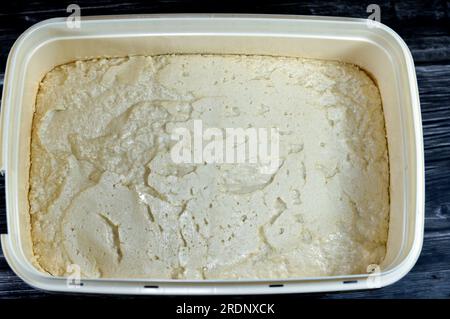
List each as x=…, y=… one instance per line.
x=105, y=194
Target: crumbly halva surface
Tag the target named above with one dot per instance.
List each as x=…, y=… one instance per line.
x=106, y=195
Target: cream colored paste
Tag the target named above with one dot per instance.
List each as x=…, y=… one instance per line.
x=105, y=194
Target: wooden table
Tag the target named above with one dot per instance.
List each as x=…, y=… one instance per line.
x=425, y=26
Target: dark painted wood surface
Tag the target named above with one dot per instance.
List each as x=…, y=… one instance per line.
x=424, y=25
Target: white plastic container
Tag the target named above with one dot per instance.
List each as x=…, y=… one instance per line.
x=374, y=47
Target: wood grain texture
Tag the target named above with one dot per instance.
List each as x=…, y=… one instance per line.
x=424, y=25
